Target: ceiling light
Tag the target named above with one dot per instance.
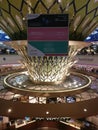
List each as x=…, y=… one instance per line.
x=85, y=110
x=7, y=37
x=9, y=110
x=47, y=112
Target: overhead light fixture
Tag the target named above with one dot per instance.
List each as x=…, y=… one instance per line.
x=9, y=110
x=85, y=110
x=47, y=112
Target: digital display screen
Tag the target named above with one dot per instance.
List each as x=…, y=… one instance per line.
x=48, y=35
x=44, y=20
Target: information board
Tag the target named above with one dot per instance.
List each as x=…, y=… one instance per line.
x=48, y=35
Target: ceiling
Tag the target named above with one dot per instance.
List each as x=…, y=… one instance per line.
x=81, y=14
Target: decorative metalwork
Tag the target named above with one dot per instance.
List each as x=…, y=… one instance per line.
x=48, y=73
x=52, y=70
x=87, y=95
x=81, y=14
x=20, y=82
x=48, y=69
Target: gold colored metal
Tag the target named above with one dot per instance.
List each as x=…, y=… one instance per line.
x=49, y=73
x=29, y=6
x=66, y=88
x=49, y=70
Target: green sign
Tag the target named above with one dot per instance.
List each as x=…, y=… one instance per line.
x=48, y=48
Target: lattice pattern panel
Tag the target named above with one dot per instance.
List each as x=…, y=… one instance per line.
x=83, y=15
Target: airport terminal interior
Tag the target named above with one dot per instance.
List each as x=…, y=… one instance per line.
x=48, y=64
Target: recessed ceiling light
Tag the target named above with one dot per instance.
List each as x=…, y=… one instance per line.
x=9, y=110
x=85, y=110
x=47, y=112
